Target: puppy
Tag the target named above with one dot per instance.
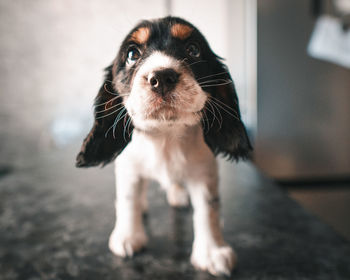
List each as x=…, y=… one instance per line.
x=167, y=106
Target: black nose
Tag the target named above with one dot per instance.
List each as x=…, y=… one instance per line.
x=163, y=81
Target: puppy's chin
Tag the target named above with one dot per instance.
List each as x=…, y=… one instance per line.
x=163, y=119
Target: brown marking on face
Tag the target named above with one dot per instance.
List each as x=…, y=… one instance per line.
x=181, y=31
x=141, y=35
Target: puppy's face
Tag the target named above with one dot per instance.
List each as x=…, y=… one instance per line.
x=157, y=72
x=164, y=75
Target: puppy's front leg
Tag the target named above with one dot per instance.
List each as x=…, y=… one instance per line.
x=128, y=235
x=209, y=251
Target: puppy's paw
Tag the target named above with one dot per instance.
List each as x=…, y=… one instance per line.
x=125, y=245
x=217, y=260
x=177, y=196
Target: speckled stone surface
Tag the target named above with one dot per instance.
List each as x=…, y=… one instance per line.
x=55, y=221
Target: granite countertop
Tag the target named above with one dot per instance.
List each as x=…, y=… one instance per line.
x=55, y=221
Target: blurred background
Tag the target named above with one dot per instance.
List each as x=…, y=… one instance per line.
x=294, y=101
x=303, y=131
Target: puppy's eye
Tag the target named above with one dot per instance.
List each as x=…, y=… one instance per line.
x=193, y=50
x=133, y=54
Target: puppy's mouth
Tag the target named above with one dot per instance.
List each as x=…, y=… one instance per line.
x=162, y=109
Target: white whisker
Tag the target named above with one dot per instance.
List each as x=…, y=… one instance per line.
x=101, y=117
x=213, y=105
x=224, y=104
x=225, y=110
x=216, y=80
x=111, y=100
x=113, y=125
x=221, y=73
x=215, y=85
x=107, y=109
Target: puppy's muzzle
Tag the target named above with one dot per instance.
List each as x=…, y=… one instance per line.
x=163, y=81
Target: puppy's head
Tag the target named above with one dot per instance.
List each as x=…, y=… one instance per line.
x=164, y=75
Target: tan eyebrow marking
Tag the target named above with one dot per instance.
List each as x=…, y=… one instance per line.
x=181, y=31
x=141, y=35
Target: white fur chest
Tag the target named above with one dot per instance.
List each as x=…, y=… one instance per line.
x=164, y=157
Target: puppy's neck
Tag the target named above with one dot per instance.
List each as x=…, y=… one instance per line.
x=173, y=145
x=171, y=132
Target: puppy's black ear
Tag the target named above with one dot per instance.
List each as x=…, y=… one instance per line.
x=223, y=129
x=112, y=127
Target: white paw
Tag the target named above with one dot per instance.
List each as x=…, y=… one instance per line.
x=177, y=196
x=125, y=245
x=216, y=260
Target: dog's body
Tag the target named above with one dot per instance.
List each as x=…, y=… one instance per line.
x=167, y=106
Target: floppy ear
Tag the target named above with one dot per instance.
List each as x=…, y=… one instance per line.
x=112, y=127
x=223, y=129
